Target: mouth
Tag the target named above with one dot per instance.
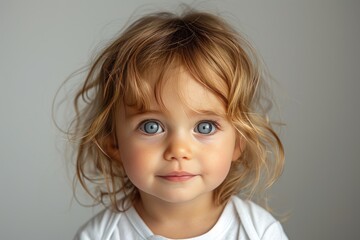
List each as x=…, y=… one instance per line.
x=178, y=176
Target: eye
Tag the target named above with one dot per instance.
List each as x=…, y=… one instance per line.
x=207, y=127
x=151, y=127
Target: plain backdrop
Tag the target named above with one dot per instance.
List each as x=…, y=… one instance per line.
x=311, y=48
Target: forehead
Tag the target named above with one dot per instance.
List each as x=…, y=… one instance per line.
x=178, y=90
x=181, y=87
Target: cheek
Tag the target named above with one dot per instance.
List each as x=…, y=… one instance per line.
x=131, y=157
x=219, y=162
x=216, y=171
x=219, y=157
x=137, y=159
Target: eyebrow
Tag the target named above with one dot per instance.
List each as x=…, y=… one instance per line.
x=207, y=112
x=137, y=113
x=191, y=113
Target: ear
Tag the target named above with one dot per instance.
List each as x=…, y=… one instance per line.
x=110, y=147
x=239, y=147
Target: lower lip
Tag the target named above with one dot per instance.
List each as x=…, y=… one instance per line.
x=178, y=178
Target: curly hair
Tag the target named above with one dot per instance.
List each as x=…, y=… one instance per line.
x=201, y=43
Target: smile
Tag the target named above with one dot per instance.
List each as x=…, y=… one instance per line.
x=178, y=176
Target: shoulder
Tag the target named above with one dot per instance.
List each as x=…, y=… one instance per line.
x=100, y=226
x=256, y=221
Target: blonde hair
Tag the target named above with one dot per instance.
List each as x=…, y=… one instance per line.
x=203, y=44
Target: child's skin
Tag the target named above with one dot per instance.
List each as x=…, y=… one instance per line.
x=177, y=156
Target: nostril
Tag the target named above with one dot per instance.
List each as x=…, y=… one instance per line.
x=178, y=151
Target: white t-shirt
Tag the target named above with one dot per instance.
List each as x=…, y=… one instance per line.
x=241, y=220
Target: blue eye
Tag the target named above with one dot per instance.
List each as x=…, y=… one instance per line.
x=205, y=128
x=151, y=127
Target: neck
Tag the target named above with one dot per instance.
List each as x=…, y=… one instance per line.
x=170, y=219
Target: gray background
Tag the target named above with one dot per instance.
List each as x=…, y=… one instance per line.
x=311, y=48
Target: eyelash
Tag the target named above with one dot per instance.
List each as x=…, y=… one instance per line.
x=142, y=125
x=215, y=124
x=212, y=122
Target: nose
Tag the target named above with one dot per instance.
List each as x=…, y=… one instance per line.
x=178, y=148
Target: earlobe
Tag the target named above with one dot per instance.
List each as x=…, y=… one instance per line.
x=238, y=148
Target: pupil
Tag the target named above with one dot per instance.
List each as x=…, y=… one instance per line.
x=151, y=127
x=204, y=128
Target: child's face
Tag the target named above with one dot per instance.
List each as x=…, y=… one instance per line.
x=177, y=154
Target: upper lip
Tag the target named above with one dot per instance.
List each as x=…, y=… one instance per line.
x=177, y=174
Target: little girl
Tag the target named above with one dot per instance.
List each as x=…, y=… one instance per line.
x=171, y=133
